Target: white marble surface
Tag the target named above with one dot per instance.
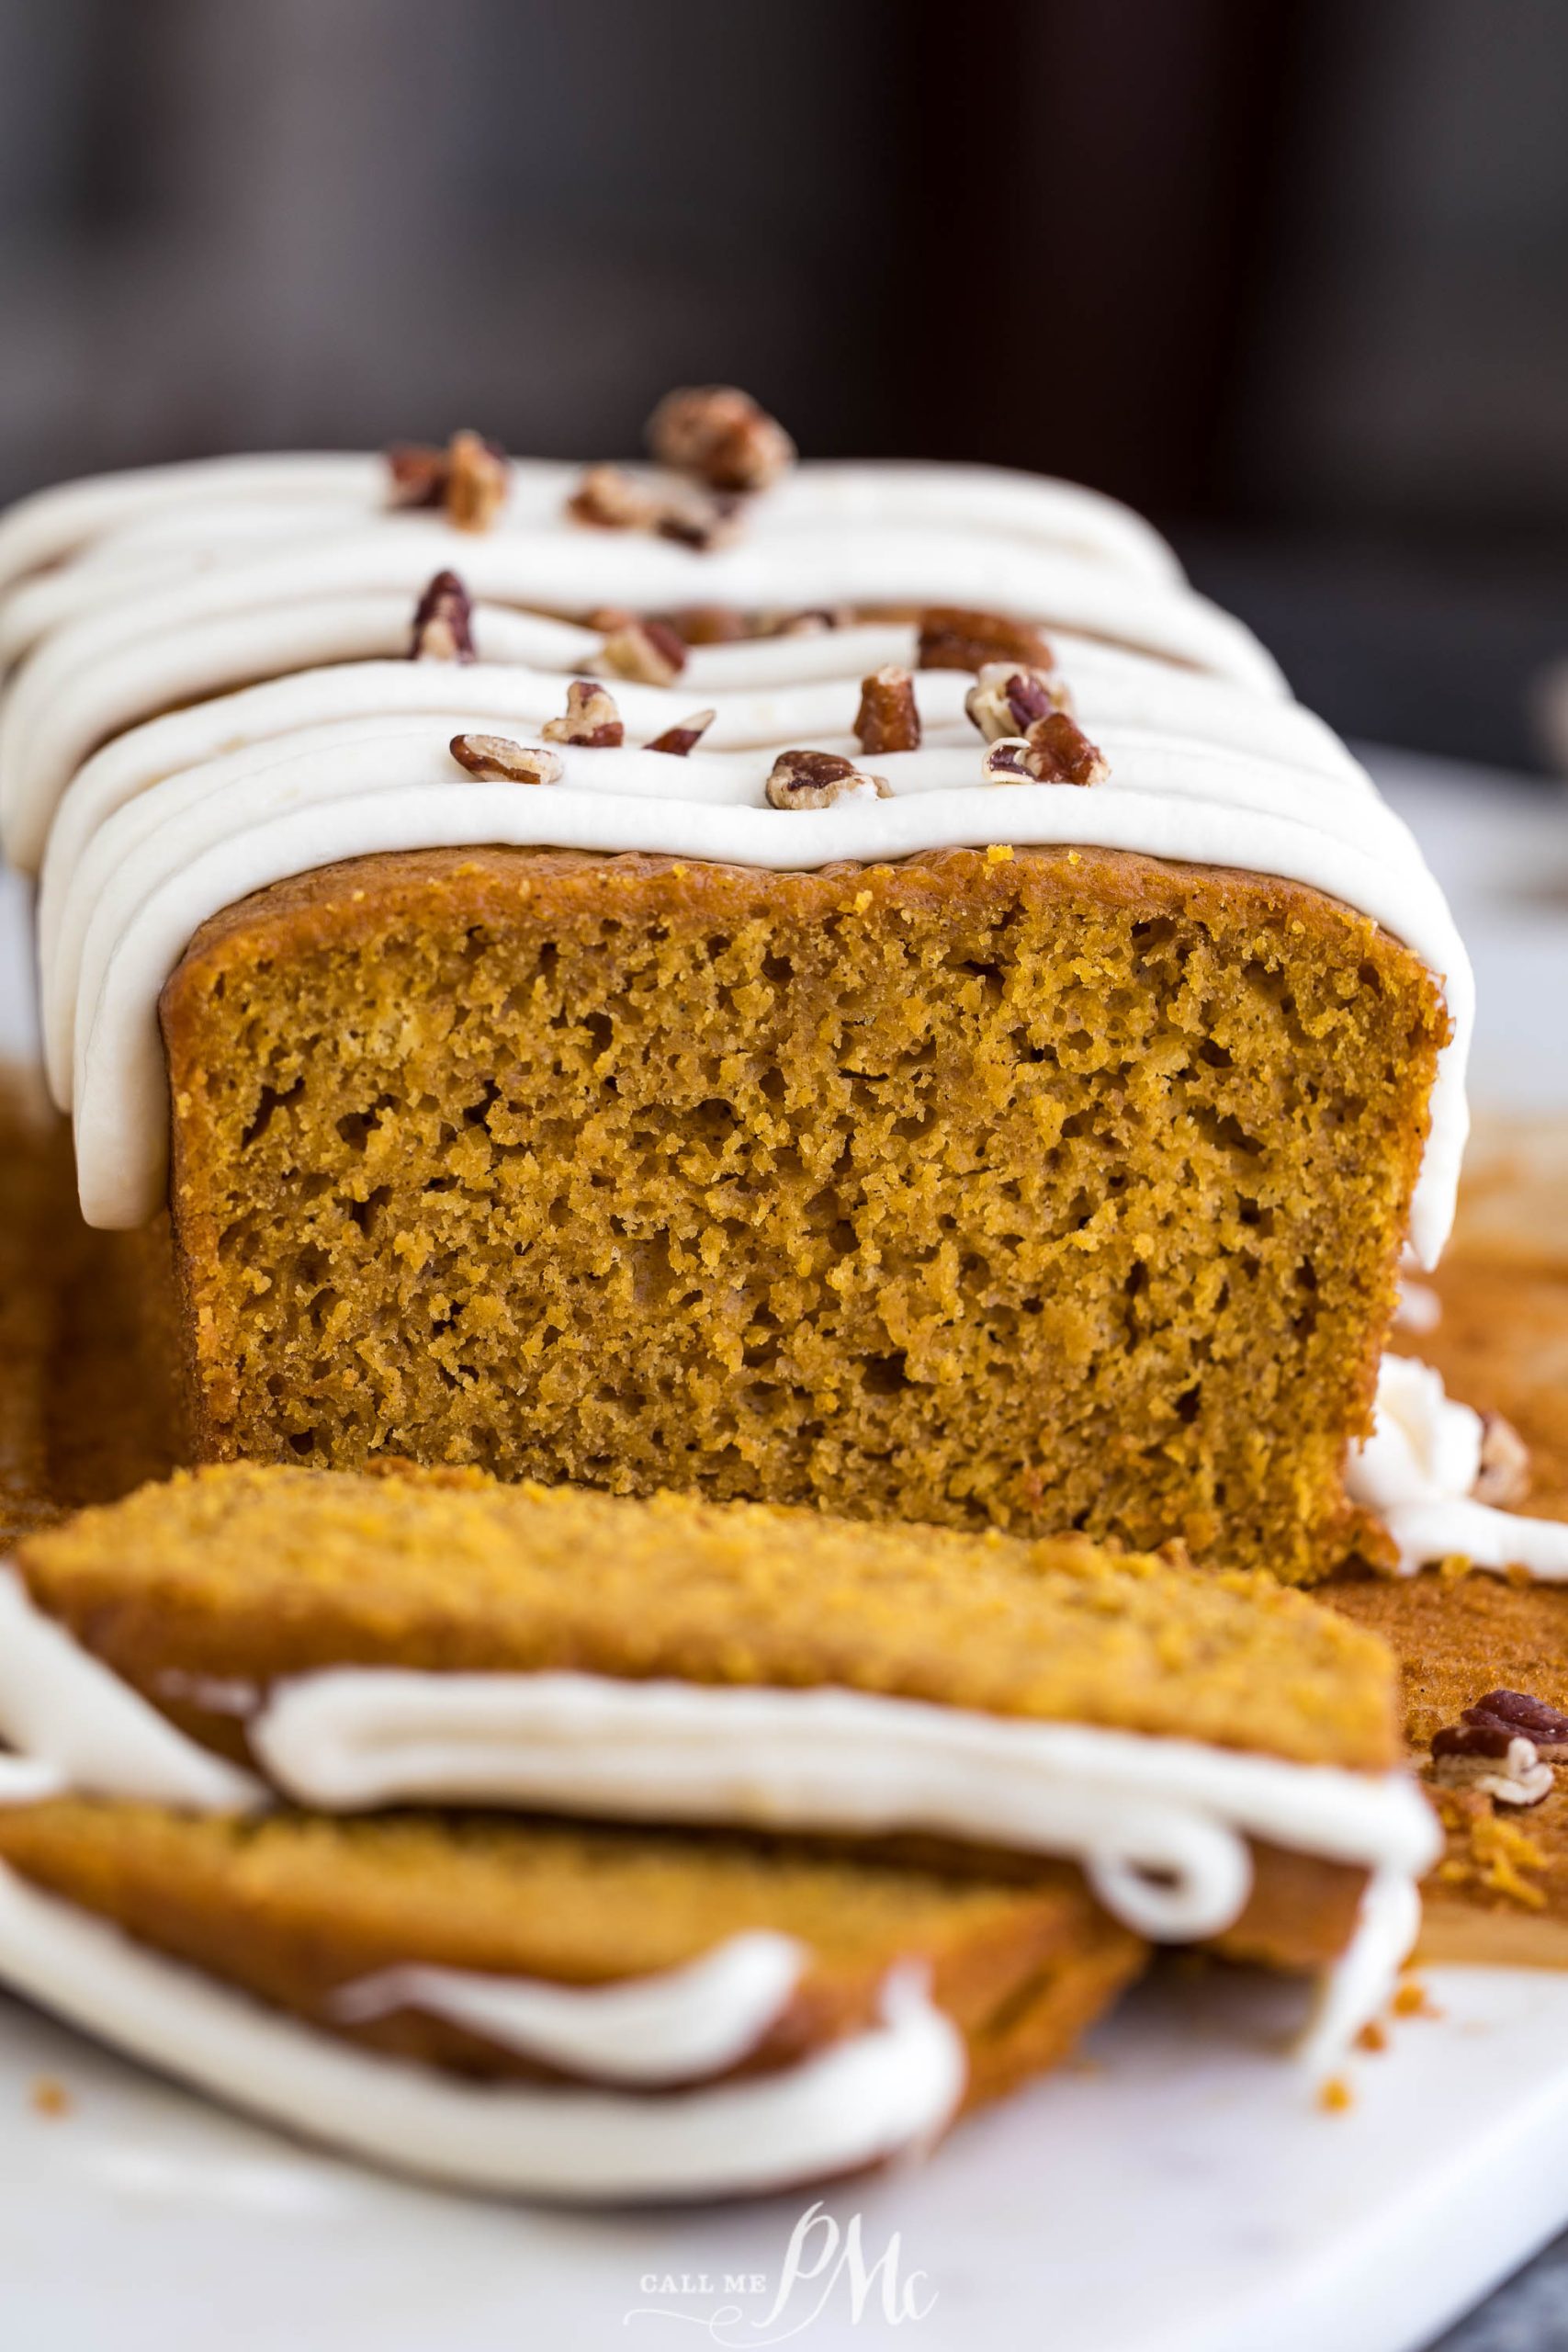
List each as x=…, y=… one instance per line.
x=1184, y=2195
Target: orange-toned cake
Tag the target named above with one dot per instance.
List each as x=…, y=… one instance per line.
x=805, y=1831
x=838, y=985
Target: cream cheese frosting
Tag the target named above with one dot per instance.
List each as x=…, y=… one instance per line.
x=67, y=1715
x=186, y=586
x=676, y=2027
x=859, y=2102
x=203, y=504
x=1160, y=1826
x=1416, y=1471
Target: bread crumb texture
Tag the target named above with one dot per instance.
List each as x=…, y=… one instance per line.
x=1048, y=1191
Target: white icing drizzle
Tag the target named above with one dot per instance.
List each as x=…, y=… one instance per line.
x=677, y=2027
x=1416, y=1470
x=67, y=1714
x=203, y=505
x=1159, y=1824
x=24, y=1780
x=106, y=617
x=187, y=582
x=1419, y=1308
x=1363, y=1978
x=857, y=2102
x=1152, y=804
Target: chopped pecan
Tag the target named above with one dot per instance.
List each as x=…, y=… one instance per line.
x=816, y=779
x=679, y=740
x=1498, y=1716
x=1053, y=751
x=1504, y=1476
x=1503, y=1748
x=1060, y=752
x=1518, y=1777
x=1007, y=760
x=720, y=434
x=443, y=622
x=476, y=482
x=469, y=478
x=612, y=500
x=952, y=638
x=707, y=624
x=1007, y=700
x=699, y=519
x=887, y=720
x=496, y=759
x=648, y=652
x=419, y=473
x=591, y=721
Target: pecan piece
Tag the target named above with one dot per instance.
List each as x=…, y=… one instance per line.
x=469, y=478
x=476, y=482
x=1498, y=1716
x=591, y=721
x=650, y=653
x=887, y=720
x=1060, y=752
x=697, y=519
x=722, y=435
x=816, y=779
x=496, y=759
x=1053, y=751
x=952, y=638
x=443, y=622
x=678, y=740
x=707, y=624
x=1504, y=1476
x=419, y=473
x=1504, y=1748
x=1007, y=760
x=1007, y=700
x=612, y=500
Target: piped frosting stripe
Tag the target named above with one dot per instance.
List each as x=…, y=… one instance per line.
x=186, y=585
x=859, y=2100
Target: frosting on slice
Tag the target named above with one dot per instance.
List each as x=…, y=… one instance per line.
x=1416, y=1470
x=859, y=2102
x=1160, y=1826
x=72, y=1718
x=677, y=2027
x=1362, y=1981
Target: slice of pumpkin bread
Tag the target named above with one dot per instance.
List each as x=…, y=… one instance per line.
x=246, y=1572
x=293, y=1907
x=676, y=1659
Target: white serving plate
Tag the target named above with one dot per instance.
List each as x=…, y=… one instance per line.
x=1181, y=2192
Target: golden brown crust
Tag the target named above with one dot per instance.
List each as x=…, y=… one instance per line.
x=252, y=1573
x=1050, y=1188
x=291, y=1907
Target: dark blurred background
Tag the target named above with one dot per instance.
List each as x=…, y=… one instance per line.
x=1292, y=274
